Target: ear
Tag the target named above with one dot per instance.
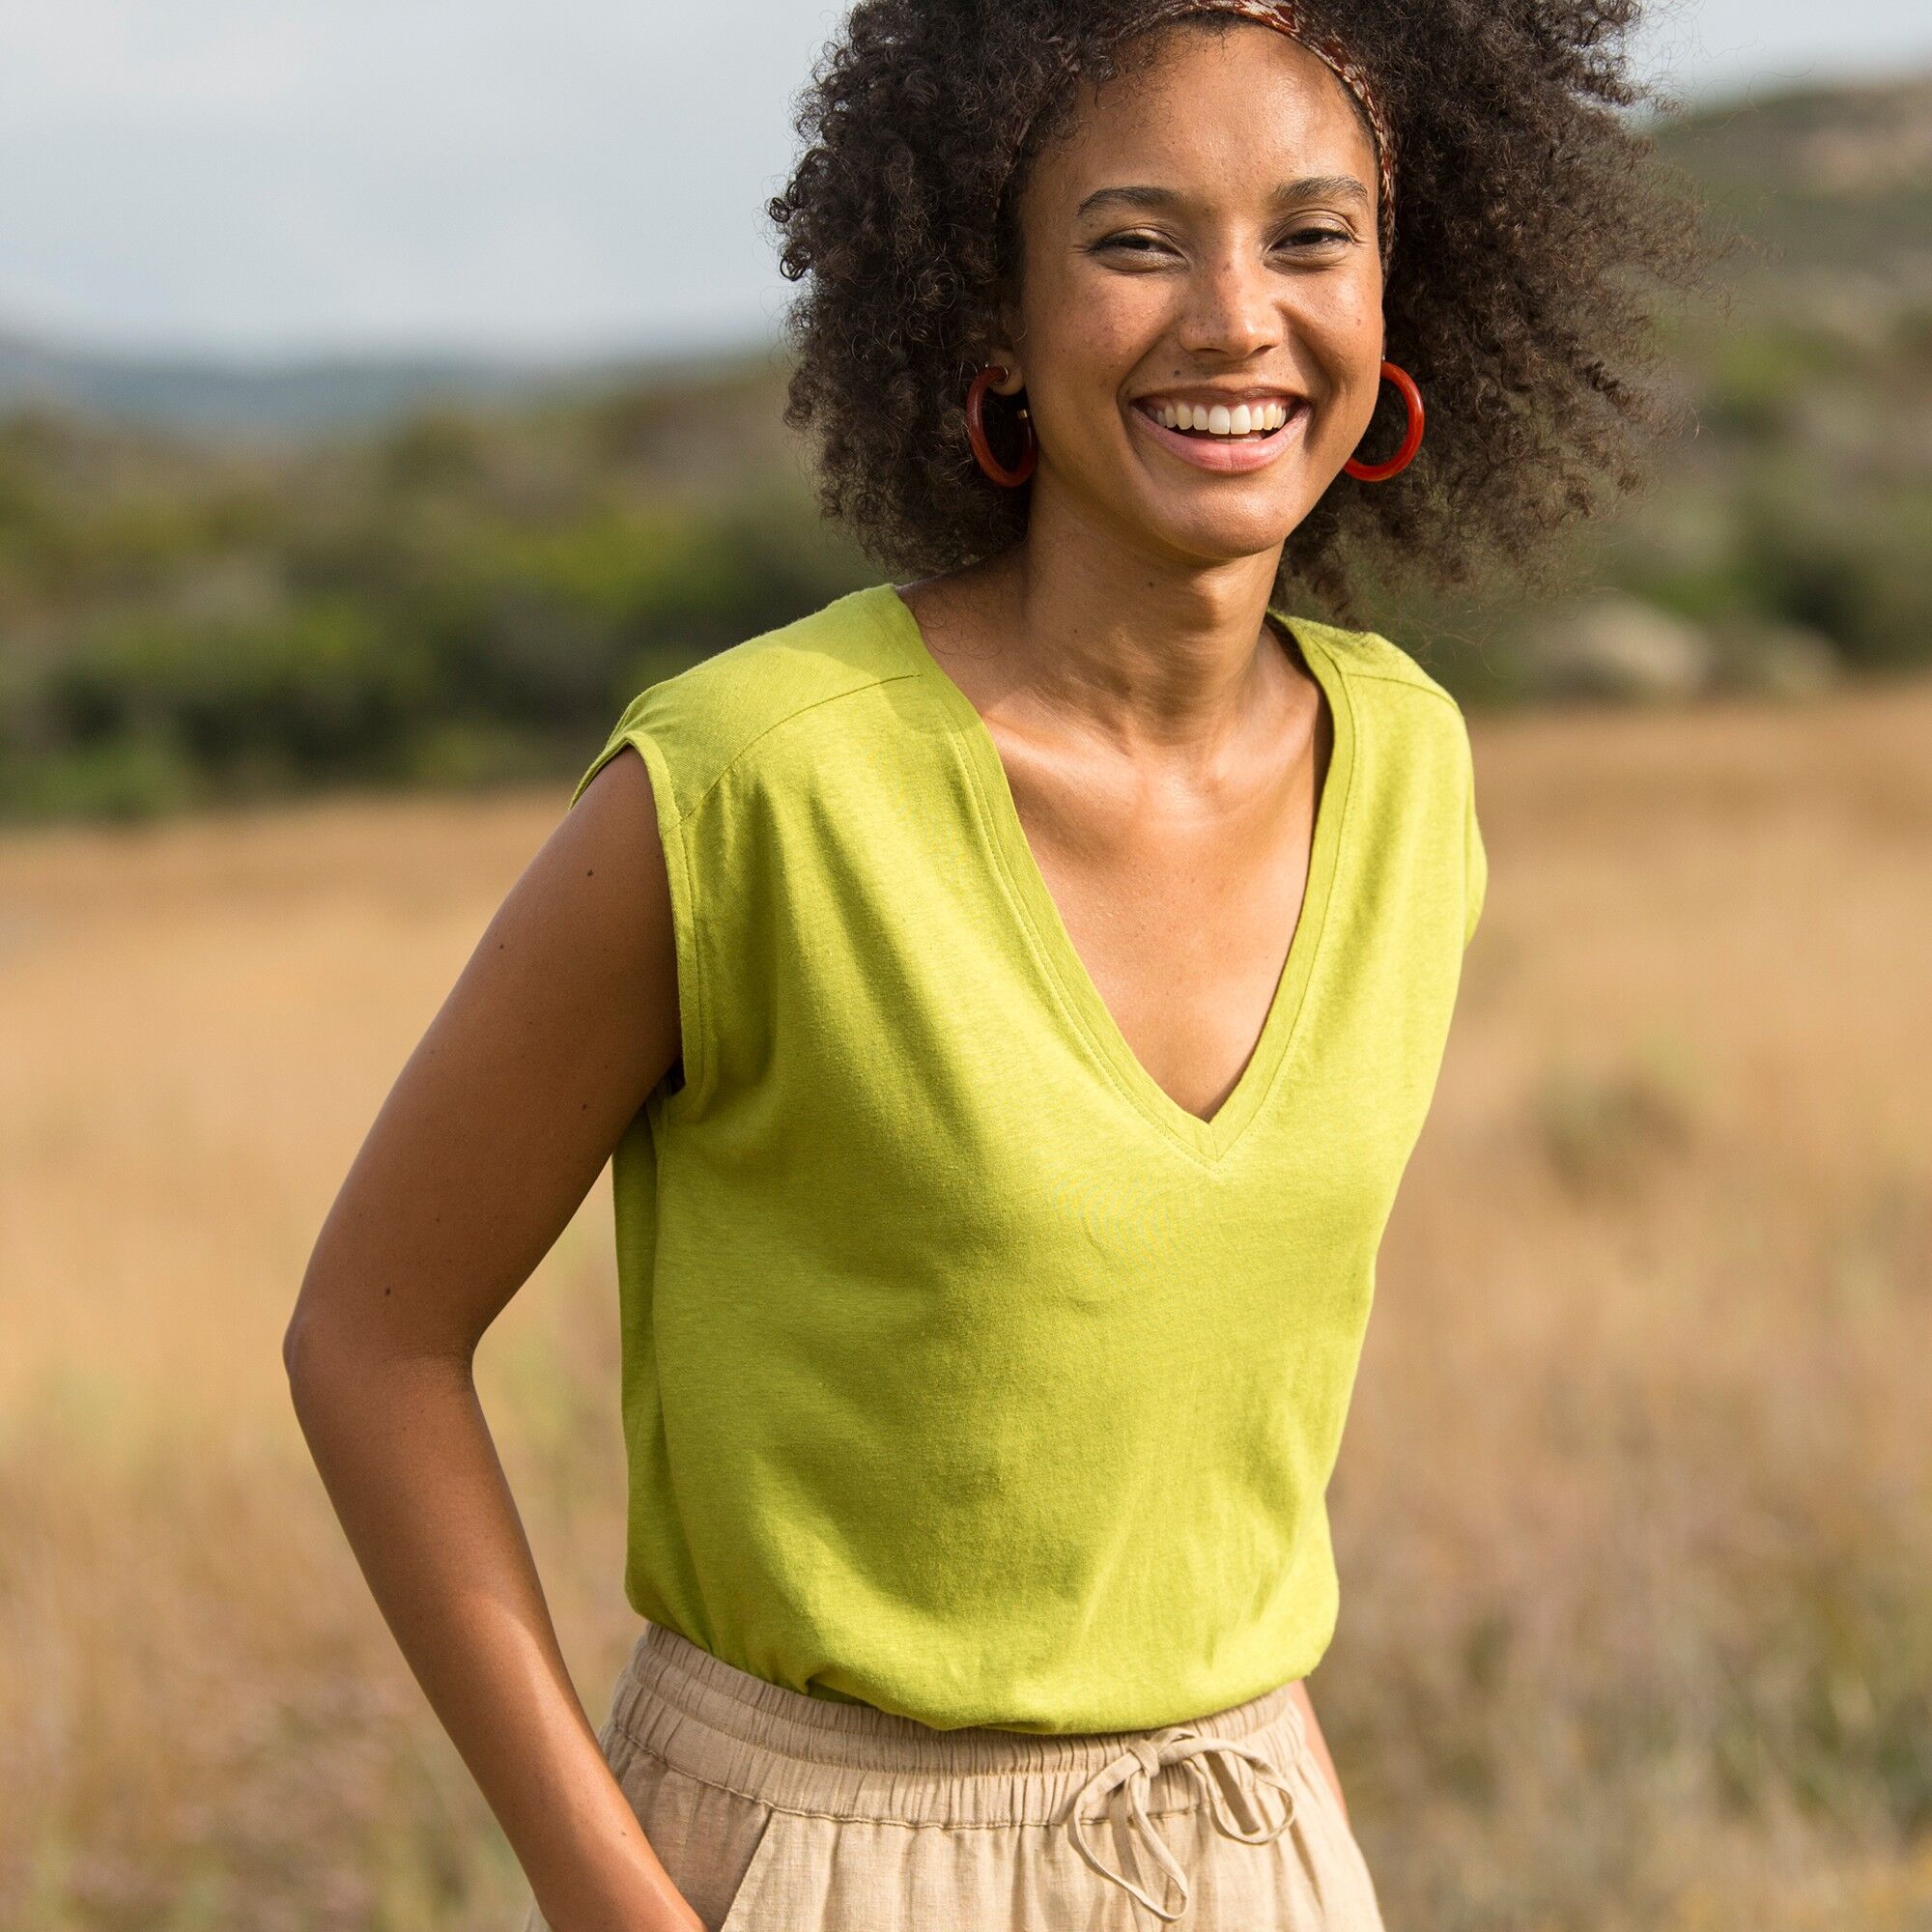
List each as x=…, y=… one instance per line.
x=1014, y=380
x=1005, y=349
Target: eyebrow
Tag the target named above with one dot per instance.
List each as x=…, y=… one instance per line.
x=1309, y=188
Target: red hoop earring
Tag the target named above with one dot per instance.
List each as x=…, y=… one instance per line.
x=1411, y=396
x=975, y=432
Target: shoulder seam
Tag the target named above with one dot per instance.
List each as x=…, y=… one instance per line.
x=1432, y=689
x=778, y=723
x=1336, y=641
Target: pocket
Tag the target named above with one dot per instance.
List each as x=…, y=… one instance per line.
x=1320, y=1882
x=759, y=1886
x=710, y=1840
x=695, y=1844
x=1372, y=1910
x=1361, y=1912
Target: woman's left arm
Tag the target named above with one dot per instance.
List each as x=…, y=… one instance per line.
x=1320, y=1744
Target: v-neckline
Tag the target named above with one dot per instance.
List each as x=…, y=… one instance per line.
x=1078, y=997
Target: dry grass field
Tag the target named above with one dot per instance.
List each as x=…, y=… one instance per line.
x=1635, y=1512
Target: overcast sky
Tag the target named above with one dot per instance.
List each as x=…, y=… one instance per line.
x=264, y=177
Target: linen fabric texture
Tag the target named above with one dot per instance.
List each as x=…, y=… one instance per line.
x=965, y=1374
x=774, y=1811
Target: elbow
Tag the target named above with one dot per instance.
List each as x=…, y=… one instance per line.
x=295, y=1352
x=291, y=1339
x=301, y=1322
x=307, y=1338
x=328, y=1343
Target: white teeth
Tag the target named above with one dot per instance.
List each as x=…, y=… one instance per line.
x=1244, y=419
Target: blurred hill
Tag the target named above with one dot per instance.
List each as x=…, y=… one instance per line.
x=1834, y=182
x=231, y=583
x=275, y=398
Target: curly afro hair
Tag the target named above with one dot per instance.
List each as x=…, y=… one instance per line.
x=1533, y=227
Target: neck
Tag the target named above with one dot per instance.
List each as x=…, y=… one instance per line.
x=1149, y=655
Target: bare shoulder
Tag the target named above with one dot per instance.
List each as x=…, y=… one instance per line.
x=594, y=906
x=561, y=1022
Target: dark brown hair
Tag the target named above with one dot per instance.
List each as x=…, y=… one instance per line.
x=1533, y=228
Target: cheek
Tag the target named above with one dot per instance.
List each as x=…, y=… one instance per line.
x=1344, y=327
x=1094, y=333
x=1342, y=341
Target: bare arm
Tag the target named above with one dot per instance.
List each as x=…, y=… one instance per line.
x=564, y=1019
x=1320, y=1744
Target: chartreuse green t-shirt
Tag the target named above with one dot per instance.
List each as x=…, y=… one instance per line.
x=965, y=1372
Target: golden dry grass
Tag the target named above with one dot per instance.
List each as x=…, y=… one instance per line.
x=1634, y=1513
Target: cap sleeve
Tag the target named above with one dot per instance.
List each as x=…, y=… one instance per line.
x=650, y=726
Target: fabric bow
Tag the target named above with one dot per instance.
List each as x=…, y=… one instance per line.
x=1134, y=1770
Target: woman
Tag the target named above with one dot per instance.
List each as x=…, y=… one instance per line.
x=1011, y=996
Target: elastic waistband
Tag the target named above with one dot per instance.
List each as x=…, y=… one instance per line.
x=795, y=1753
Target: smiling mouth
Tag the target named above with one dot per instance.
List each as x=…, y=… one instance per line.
x=1226, y=452
x=1295, y=407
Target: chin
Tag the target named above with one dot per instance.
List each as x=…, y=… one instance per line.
x=1219, y=535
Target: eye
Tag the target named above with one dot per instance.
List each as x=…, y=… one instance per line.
x=1138, y=242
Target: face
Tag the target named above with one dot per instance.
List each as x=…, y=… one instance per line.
x=1205, y=235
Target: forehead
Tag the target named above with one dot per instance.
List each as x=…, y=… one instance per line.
x=1225, y=100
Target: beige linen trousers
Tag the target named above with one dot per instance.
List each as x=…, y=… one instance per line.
x=774, y=1811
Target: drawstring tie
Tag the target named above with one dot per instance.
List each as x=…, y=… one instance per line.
x=1135, y=1769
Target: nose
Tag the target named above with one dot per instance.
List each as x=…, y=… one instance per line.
x=1232, y=308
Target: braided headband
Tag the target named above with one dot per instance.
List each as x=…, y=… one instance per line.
x=1289, y=17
